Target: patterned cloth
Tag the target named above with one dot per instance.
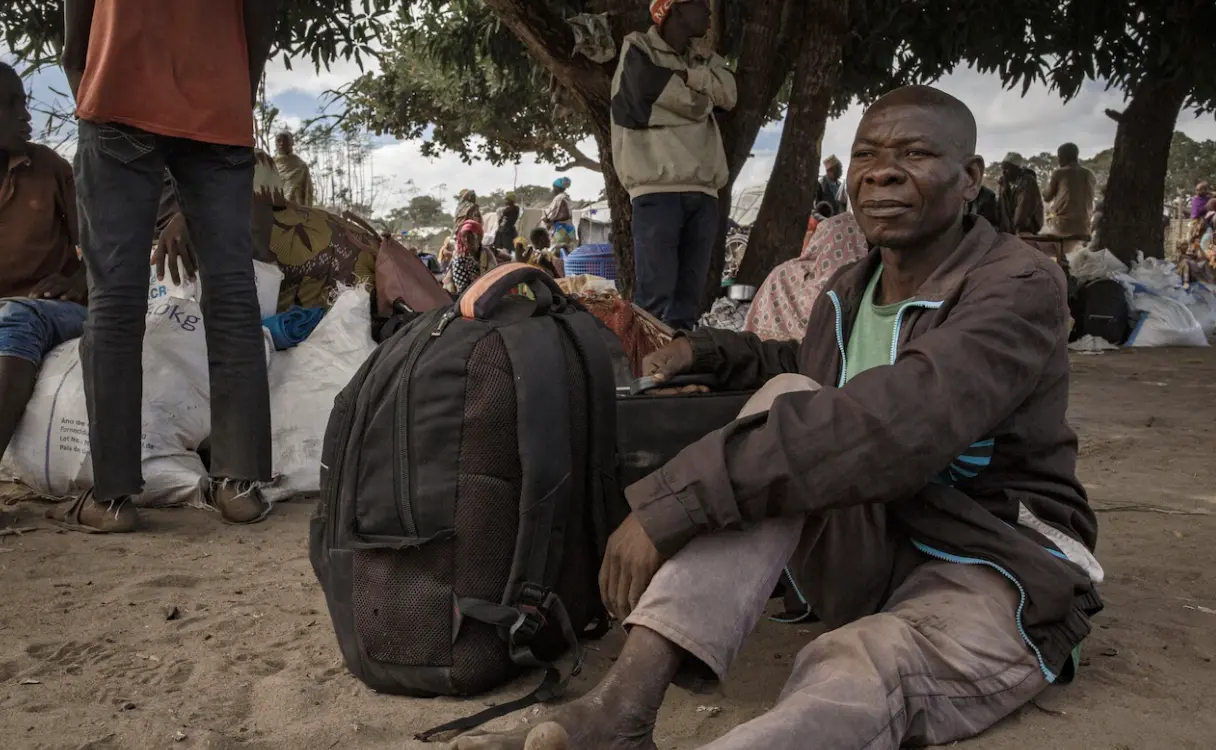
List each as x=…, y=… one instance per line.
x=319, y=252
x=783, y=305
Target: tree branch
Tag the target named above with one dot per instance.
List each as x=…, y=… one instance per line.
x=578, y=159
x=1115, y=115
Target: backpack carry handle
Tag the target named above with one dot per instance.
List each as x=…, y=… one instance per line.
x=481, y=300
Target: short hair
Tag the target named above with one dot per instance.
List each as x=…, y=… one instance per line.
x=1070, y=151
x=538, y=232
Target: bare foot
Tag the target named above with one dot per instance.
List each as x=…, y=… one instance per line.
x=618, y=714
x=587, y=724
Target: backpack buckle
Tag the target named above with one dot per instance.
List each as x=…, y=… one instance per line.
x=533, y=604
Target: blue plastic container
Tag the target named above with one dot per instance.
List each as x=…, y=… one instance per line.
x=594, y=260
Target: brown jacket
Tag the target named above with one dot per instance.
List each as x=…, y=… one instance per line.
x=964, y=437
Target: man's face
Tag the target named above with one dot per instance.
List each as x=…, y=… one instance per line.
x=1009, y=172
x=908, y=177
x=283, y=144
x=835, y=171
x=691, y=17
x=15, y=128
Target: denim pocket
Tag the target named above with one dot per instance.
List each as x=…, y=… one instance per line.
x=234, y=156
x=124, y=143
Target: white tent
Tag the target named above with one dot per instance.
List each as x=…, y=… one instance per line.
x=745, y=204
x=594, y=224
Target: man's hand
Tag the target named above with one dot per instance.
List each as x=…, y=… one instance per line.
x=67, y=288
x=629, y=564
x=674, y=359
x=174, y=244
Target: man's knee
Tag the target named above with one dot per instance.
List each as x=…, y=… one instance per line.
x=25, y=331
x=782, y=384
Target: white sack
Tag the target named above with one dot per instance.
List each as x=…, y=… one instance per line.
x=50, y=451
x=1164, y=322
x=304, y=381
x=267, y=276
x=1203, y=306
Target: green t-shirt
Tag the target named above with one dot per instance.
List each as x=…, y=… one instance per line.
x=871, y=340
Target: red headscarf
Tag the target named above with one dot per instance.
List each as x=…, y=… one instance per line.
x=660, y=9
x=467, y=228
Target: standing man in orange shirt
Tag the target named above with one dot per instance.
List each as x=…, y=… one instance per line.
x=168, y=84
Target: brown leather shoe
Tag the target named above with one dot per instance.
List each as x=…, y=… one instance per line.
x=239, y=502
x=88, y=515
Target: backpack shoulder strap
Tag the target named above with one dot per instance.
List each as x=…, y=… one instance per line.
x=607, y=508
x=546, y=462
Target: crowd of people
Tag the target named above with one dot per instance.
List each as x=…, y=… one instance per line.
x=905, y=463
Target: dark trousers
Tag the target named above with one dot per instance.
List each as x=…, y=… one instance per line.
x=673, y=240
x=119, y=178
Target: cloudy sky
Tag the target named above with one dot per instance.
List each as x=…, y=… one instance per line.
x=1040, y=121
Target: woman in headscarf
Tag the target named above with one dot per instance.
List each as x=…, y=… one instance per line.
x=783, y=304
x=558, y=217
x=467, y=209
x=469, y=258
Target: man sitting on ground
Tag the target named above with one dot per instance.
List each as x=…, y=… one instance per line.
x=926, y=503
x=42, y=281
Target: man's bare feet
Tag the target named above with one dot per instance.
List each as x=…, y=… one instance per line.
x=619, y=714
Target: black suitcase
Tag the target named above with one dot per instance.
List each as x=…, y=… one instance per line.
x=651, y=430
x=1104, y=311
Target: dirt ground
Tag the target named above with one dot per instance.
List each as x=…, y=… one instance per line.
x=198, y=635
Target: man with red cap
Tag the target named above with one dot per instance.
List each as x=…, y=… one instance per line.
x=669, y=156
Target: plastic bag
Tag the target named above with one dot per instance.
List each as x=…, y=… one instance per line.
x=303, y=384
x=1203, y=306
x=50, y=450
x=1087, y=265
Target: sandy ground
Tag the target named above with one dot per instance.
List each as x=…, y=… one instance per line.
x=198, y=635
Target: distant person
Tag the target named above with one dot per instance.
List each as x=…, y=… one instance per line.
x=536, y=252
x=42, y=283
x=297, y=177
x=559, y=217
x=469, y=258
x=152, y=92
x=1199, y=202
x=669, y=155
x=1203, y=193
x=1070, y=194
x=831, y=189
x=508, y=224
x=1020, y=202
x=467, y=208
x=986, y=205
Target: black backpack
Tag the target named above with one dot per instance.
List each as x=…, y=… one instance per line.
x=467, y=492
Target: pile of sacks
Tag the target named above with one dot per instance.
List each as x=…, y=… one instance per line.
x=50, y=452
x=1169, y=312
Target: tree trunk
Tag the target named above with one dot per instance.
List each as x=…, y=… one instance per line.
x=1135, y=191
x=790, y=196
x=769, y=43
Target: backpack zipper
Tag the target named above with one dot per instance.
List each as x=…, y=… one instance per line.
x=402, y=476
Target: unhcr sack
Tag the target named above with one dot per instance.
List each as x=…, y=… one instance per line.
x=304, y=381
x=50, y=452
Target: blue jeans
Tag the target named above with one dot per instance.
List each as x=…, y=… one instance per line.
x=119, y=179
x=29, y=328
x=673, y=240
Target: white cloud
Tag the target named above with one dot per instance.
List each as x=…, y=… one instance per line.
x=305, y=79
x=446, y=176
